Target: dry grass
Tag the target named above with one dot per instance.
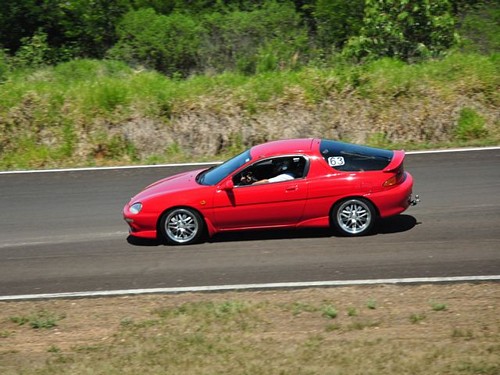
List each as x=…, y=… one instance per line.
x=385, y=329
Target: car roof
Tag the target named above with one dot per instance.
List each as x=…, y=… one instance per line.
x=286, y=146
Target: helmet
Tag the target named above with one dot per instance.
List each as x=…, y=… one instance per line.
x=282, y=165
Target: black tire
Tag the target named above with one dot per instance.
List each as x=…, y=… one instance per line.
x=354, y=217
x=182, y=226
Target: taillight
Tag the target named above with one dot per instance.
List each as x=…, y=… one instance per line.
x=391, y=181
x=397, y=178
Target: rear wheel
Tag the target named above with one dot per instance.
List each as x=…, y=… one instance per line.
x=182, y=226
x=354, y=217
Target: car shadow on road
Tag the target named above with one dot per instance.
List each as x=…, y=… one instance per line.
x=136, y=241
x=394, y=224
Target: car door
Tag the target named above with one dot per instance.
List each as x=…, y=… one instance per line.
x=265, y=205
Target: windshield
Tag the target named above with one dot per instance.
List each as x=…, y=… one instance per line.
x=213, y=176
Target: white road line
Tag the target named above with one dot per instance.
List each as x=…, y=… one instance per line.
x=246, y=287
x=453, y=150
x=70, y=238
x=92, y=169
x=217, y=162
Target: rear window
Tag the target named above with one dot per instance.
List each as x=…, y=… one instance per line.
x=350, y=158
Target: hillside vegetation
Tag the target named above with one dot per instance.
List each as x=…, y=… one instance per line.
x=202, y=80
x=102, y=112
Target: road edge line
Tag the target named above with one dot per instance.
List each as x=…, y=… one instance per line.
x=248, y=287
x=202, y=164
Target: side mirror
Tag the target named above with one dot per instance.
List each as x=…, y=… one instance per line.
x=228, y=185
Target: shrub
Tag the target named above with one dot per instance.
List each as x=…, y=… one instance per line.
x=4, y=66
x=40, y=320
x=330, y=312
x=470, y=125
x=337, y=21
x=404, y=30
x=480, y=28
x=437, y=306
x=168, y=44
x=34, y=52
x=266, y=38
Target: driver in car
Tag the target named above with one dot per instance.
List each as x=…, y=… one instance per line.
x=282, y=173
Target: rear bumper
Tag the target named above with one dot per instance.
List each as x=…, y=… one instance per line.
x=395, y=200
x=414, y=201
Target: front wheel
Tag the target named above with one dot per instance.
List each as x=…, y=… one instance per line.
x=181, y=226
x=354, y=217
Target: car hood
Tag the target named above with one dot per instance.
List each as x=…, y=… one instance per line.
x=173, y=184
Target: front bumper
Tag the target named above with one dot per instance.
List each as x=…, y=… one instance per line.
x=141, y=225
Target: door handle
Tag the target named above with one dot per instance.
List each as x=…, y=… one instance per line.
x=292, y=188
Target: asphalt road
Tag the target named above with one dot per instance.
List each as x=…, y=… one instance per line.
x=63, y=232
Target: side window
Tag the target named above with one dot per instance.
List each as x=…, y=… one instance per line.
x=353, y=158
x=272, y=170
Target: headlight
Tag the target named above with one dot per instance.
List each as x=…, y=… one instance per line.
x=135, y=208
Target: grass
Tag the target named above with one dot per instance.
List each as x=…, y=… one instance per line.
x=437, y=306
x=260, y=333
x=417, y=317
x=42, y=319
x=88, y=112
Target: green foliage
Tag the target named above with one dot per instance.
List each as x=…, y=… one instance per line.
x=336, y=21
x=404, y=29
x=88, y=112
x=88, y=27
x=438, y=306
x=4, y=66
x=263, y=39
x=34, y=52
x=417, y=317
x=470, y=125
x=298, y=308
x=54, y=349
x=90, y=71
x=5, y=334
x=78, y=28
x=371, y=304
x=182, y=38
x=479, y=28
x=112, y=148
x=18, y=19
x=42, y=319
x=330, y=312
x=168, y=44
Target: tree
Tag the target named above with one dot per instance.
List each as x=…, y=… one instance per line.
x=267, y=37
x=337, y=20
x=18, y=19
x=168, y=44
x=88, y=26
x=404, y=29
x=72, y=28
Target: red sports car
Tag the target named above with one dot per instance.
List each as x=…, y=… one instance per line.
x=292, y=183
